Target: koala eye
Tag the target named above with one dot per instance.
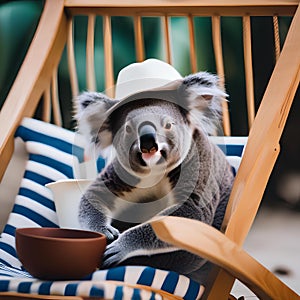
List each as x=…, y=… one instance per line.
x=168, y=125
x=128, y=129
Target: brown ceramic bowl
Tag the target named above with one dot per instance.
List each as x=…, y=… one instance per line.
x=59, y=254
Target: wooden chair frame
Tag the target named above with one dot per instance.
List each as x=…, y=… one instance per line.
x=37, y=77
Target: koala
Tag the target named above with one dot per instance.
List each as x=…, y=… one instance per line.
x=162, y=163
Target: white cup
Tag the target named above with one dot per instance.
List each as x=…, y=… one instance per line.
x=67, y=194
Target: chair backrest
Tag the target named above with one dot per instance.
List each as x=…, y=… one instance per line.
x=218, y=36
x=236, y=40
x=224, y=38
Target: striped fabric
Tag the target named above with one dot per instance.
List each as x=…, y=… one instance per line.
x=56, y=153
x=233, y=148
x=52, y=152
x=104, y=283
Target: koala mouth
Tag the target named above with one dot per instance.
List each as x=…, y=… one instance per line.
x=146, y=161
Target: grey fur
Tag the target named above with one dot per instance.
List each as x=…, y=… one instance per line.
x=188, y=176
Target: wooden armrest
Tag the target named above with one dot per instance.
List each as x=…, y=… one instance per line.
x=211, y=244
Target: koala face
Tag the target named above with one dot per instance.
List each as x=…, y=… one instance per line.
x=152, y=131
x=154, y=137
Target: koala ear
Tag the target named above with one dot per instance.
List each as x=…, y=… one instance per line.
x=92, y=120
x=203, y=97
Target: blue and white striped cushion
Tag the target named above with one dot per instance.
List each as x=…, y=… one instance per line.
x=101, y=284
x=54, y=154
x=233, y=147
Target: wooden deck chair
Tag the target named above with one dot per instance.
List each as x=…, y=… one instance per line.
x=37, y=79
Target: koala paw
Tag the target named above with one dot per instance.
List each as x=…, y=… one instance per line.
x=113, y=254
x=110, y=232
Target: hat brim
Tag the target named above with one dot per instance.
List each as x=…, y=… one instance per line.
x=167, y=92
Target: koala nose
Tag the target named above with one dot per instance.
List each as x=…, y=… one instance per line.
x=147, y=136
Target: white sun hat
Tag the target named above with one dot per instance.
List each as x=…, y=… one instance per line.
x=149, y=74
